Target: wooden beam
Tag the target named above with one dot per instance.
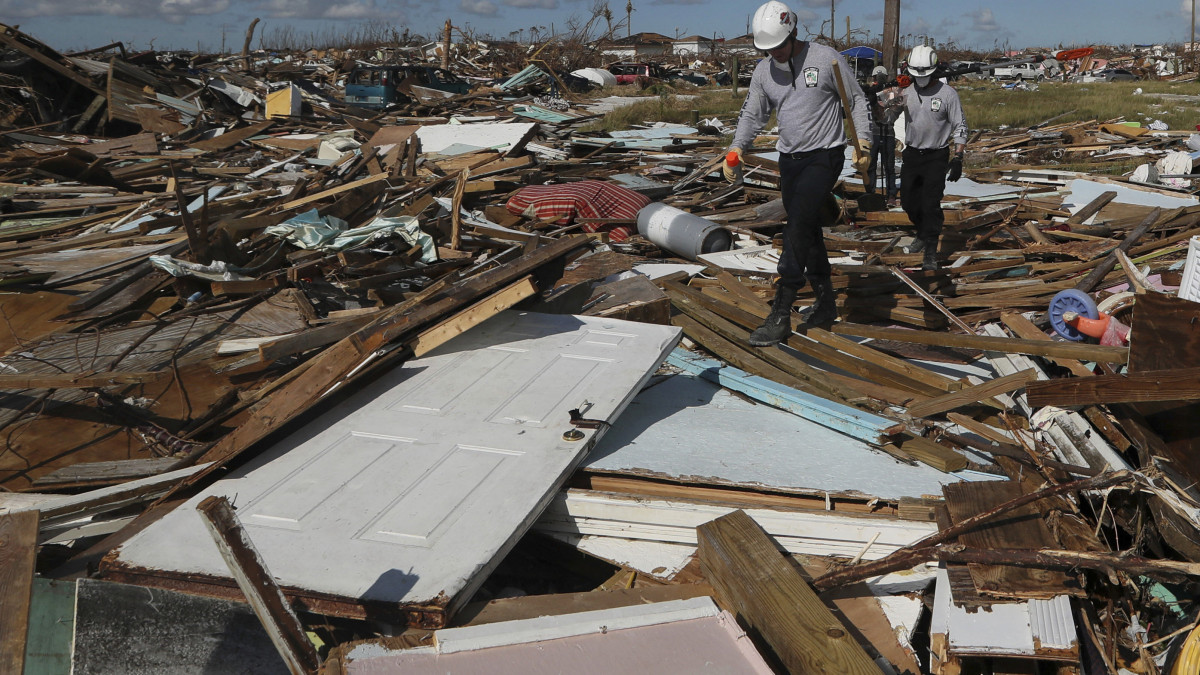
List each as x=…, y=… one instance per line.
x=1091, y=208
x=872, y=370
x=971, y=395
x=1072, y=350
x=344, y=187
x=766, y=592
x=473, y=316
x=1182, y=384
x=18, y=553
x=259, y=587
x=80, y=381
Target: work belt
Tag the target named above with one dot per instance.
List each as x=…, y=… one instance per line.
x=810, y=153
x=926, y=151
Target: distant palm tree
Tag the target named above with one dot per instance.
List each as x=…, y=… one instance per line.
x=628, y=18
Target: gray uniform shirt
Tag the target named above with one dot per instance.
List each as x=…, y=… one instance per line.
x=809, y=114
x=933, y=117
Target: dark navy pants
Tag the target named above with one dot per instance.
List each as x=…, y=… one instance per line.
x=805, y=183
x=922, y=184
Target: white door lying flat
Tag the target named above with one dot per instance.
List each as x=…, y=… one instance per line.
x=408, y=493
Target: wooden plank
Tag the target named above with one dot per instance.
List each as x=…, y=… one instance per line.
x=1091, y=208
x=250, y=287
x=12, y=38
x=259, y=587
x=1181, y=384
x=556, y=604
x=231, y=138
x=970, y=395
x=344, y=187
x=473, y=316
x=831, y=414
x=1082, y=352
x=685, y=297
x=81, y=381
x=929, y=452
x=104, y=473
x=1021, y=528
x=768, y=595
x=18, y=554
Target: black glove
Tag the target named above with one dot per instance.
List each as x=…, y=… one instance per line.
x=955, y=170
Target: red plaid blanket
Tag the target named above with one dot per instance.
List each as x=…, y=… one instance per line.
x=584, y=199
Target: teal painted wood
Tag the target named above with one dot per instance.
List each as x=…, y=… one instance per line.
x=51, y=628
x=850, y=421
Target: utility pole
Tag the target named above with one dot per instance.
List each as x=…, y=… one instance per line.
x=891, y=36
x=446, y=46
x=832, y=23
x=847, y=45
x=1192, y=46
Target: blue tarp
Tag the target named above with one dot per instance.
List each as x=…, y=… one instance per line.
x=863, y=52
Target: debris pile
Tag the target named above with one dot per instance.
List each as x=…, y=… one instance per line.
x=451, y=384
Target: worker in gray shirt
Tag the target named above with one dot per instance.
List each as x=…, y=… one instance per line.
x=796, y=81
x=933, y=119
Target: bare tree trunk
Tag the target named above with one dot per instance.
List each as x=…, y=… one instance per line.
x=446, y=46
x=246, y=45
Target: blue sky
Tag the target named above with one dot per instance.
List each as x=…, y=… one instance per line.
x=188, y=24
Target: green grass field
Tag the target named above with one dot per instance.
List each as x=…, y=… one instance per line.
x=987, y=104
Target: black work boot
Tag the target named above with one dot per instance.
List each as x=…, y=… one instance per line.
x=929, y=260
x=779, y=322
x=824, y=310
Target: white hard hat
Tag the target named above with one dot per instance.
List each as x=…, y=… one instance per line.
x=879, y=70
x=773, y=23
x=922, y=61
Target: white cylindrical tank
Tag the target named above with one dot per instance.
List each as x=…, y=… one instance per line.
x=684, y=234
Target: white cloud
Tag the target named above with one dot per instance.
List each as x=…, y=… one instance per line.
x=532, y=4
x=478, y=7
x=983, y=21
x=171, y=10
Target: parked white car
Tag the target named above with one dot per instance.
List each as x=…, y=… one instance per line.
x=1021, y=71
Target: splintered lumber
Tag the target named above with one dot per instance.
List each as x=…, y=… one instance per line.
x=473, y=316
x=1070, y=350
x=259, y=587
x=1091, y=208
x=1182, y=384
x=932, y=453
x=81, y=380
x=908, y=557
x=756, y=583
x=18, y=553
x=1110, y=261
x=1022, y=527
x=845, y=419
x=878, y=370
x=972, y=395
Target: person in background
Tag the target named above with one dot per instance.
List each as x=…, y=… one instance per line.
x=797, y=83
x=934, y=120
x=883, y=150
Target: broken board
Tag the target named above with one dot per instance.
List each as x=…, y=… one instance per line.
x=398, y=502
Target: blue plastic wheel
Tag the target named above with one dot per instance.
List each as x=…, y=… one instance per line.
x=1071, y=300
